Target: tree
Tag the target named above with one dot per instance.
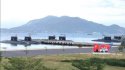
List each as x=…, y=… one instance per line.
x=123, y=42
x=122, y=46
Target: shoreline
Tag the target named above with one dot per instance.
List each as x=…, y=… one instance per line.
x=45, y=48
x=35, y=52
x=42, y=48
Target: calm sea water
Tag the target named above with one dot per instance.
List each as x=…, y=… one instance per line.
x=75, y=37
x=6, y=36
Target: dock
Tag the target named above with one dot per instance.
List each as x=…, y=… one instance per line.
x=52, y=40
x=65, y=43
x=48, y=42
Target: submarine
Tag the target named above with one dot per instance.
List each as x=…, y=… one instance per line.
x=116, y=39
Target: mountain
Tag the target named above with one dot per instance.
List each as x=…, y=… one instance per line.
x=4, y=30
x=66, y=24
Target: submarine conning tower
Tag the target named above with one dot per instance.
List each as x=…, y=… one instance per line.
x=27, y=38
x=107, y=38
x=63, y=38
x=14, y=38
x=118, y=37
x=52, y=37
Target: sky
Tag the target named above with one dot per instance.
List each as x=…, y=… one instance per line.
x=18, y=12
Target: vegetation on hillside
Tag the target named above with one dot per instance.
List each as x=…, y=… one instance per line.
x=24, y=64
x=64, y=62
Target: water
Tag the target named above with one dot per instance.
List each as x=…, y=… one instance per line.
x=74, y=37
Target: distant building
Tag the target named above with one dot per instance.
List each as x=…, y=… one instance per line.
x=51, y=37
x=14, y=38
x=28, y=38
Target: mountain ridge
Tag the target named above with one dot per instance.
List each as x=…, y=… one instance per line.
x=66, y=24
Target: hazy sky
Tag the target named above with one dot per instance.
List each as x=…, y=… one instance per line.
x=18, y=12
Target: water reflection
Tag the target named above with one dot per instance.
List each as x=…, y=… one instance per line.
x=31, y=47
x=13, y=44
